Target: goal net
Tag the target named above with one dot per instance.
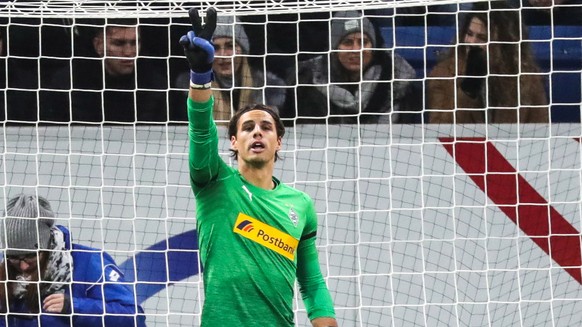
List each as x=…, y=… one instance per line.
x=429, y=214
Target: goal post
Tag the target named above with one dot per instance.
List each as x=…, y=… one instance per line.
x=420, y=224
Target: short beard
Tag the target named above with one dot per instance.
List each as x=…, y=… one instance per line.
x=256, y=163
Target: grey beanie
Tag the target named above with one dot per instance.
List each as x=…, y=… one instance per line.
x=28, y=223
x=226, y=26
x=347, y=22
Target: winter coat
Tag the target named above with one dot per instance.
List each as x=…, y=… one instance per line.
x=93, y=95
x=369, y=101
x=97, y=287
x=468, y=110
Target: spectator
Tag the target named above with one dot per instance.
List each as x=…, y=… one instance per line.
x=236, y=83
x=114, y=86
x=355, y=83
x=51, y=282
x=494, y=75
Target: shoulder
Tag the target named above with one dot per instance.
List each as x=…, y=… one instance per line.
x=315, y=62
x=66, y=235
x=91, y=255
x=298, y=195
x=445, y=67
x=91, y=264
x=314, y=70
x=273, y=79
x=224, y=178
x=402, y=68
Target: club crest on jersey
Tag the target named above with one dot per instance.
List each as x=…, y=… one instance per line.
x=293, y=217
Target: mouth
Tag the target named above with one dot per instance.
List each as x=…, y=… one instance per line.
x=257, y=147
x=128, y=63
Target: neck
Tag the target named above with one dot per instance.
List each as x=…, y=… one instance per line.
x=354, y=76
x=258, y=176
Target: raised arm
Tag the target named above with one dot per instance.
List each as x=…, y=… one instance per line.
x=204, y=160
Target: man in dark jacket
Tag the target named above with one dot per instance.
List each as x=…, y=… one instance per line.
x=115, y=86
x=356, y=83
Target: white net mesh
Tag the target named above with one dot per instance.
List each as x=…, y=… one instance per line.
x=421, y=224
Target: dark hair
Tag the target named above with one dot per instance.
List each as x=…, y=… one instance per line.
x=507, y=54
x=233, y=123
x=503, y=23
x=8, y=279
x=98, y=26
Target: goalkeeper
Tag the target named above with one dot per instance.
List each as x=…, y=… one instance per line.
x=256, y=235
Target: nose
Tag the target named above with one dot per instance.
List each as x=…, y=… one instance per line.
x=470, y=39
x=129, y=50
x=221, y=51
x=258, y=131
x=23, y=265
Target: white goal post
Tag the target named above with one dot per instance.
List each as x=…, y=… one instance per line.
x=156, y=8
x=419, y=224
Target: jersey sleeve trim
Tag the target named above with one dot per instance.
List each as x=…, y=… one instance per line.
x=308, y=236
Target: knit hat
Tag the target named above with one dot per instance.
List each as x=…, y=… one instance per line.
x=226, y=26
x=28, y=224
x=347, y=22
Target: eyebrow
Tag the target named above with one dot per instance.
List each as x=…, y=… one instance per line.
x=262, y=122
x=22, y=256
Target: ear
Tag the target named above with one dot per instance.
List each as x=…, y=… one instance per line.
x=279, y=142
x=233, y=143
x=98, y=45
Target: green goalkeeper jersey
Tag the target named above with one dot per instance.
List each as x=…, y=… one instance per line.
x=253, y=242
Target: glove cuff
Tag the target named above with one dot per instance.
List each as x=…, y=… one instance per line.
x=201, y=79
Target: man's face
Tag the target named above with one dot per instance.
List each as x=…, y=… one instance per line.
x=119, y=46
x=225, y=48
x=353, y=58
x=476, y=33
x=256, y=138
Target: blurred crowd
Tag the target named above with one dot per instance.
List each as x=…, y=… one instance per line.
x=326, y=67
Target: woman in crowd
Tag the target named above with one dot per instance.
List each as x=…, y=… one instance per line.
x=236, y=83
x=489, y=75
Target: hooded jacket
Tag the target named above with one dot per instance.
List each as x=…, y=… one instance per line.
x=97, y=288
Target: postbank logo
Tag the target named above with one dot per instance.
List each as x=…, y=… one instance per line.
x=265, y=235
